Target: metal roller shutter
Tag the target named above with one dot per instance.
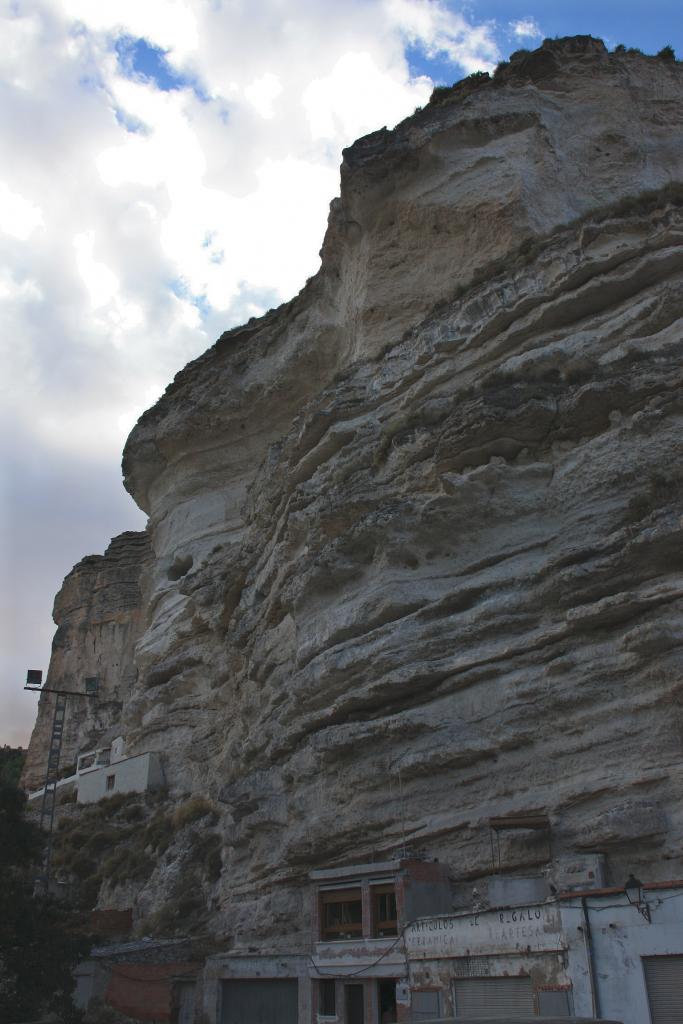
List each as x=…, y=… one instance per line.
x=664, y=981
x=260, y=1002
x=493, y=997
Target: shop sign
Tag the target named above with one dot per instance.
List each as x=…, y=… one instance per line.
x=519, y=930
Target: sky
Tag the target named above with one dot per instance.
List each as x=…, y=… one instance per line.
x=166, y=168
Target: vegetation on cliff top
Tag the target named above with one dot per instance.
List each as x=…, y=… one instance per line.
x=527, y=66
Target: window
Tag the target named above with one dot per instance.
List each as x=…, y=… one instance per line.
x=110, y=782
x=384, y=920
x=328, y=1003
x=342, y=914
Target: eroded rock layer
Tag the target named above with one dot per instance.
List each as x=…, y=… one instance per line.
x=99, y=617
x=417, y=534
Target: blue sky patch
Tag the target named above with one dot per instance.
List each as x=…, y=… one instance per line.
x=137, y=57
x=130, y=123
x=180, y=289
x=647, y=27
x=441, y=70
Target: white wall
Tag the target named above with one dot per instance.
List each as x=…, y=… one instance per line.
x=117, y=750
x=131, y=775
x=621, y=936
x=91, y=982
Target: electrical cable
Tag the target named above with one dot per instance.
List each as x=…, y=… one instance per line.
x=368, y=967
x=399, y=937
x=617, y=906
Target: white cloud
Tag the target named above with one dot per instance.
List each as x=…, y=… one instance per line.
x=170, y=24
x=357, y=97
x=443, y=32
x=18, y=291
x=102, y=285
x=19, y=217
x=525, y=28
x=262, y=93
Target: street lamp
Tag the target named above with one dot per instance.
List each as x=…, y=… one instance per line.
x=634, y=894
x=34, y=679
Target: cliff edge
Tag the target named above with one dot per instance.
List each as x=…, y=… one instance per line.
x=417, y=533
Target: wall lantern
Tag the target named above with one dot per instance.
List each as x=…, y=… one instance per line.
x=634, y=894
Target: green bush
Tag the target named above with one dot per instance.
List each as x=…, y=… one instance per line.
x=439, y=93
x=159, y=833
x=81, y=866
x=104, y=839
x=135, y=812
x=667, y=53
x=109, y=805
x=128, y=863
x=108, y=842
x=11, y=764
x=192, y=810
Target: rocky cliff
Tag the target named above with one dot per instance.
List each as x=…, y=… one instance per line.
x=417, y=534
x=99, y=617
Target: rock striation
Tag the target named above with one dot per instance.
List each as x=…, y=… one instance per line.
x=417, y=534
x=99, y=617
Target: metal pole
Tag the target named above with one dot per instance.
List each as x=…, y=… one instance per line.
x=592, y=973
x=47, y=808
x=404, y=852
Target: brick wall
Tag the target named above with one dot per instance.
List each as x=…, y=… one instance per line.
x=144, y=991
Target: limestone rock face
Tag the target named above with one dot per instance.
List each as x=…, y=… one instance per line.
x=99, y=617
x=417, y=534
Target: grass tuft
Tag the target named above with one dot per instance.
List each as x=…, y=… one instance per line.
x=192, y=810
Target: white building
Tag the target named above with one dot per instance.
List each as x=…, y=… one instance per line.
x=134, y=774
x=625, y=960
x=105, y=770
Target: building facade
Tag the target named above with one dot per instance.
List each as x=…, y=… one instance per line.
x=388, y=946
x=106, y=770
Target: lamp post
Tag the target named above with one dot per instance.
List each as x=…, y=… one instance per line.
x=634, y=894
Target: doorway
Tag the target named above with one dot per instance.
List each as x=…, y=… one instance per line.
x=354, y=1004
x=386, y=1001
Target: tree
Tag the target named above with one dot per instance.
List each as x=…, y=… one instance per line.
x=11, y=762
x=41, y=941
